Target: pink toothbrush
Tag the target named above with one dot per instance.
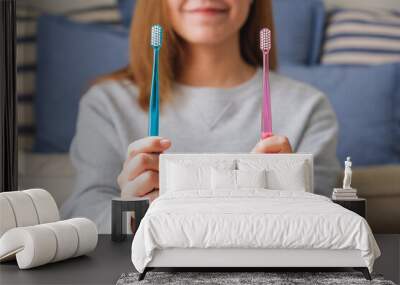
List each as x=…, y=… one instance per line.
x=266, y=118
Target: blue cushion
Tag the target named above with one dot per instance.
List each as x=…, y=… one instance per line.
x=362, y=37
x=299, y=28
x=364, y=100
x=70, y=56
x=126, y=9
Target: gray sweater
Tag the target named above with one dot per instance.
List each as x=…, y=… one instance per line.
x=196, y=120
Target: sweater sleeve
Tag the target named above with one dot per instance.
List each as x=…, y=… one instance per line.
x=97, y=160
x=320, y=139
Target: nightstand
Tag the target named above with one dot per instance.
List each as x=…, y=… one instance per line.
x=119, y=207
x=358, y=206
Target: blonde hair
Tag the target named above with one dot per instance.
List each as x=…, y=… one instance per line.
x=149, y=12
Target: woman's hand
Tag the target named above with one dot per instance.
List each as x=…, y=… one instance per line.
x=139, y=175
x=273, y=144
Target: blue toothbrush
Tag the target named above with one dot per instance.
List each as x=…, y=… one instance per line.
x=156, y=39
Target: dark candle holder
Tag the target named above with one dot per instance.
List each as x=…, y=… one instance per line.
x=119, y=207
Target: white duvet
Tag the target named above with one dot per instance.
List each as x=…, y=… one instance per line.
x=250, y=219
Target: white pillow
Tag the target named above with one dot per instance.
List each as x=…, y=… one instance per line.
x=292, y=178
x=181, y=177
x=223, y=179
x=193, y=175
x=281, y=175
x=236, y=179
x=251, y=178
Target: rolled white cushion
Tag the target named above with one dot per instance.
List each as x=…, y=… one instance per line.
x=23, y=208
x=33, y=246
x=87, y=234
x=40, y=244
x=7, y=218
x=46, y=207
x=67, y=239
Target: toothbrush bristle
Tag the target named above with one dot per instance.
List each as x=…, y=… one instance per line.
x=265, y=39
x=156, y=36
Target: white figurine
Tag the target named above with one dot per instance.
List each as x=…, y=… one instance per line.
x=347, y=173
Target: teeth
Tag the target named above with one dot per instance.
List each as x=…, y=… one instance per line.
x=156, y=36
x=265, y=39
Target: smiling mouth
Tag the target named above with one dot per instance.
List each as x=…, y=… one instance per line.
x=208, y=11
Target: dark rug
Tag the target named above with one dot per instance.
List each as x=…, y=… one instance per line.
x=269, y=278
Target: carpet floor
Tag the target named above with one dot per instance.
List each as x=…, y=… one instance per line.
x=243, y=278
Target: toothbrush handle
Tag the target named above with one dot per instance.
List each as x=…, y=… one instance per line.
x=154, y=98
x=266, y=118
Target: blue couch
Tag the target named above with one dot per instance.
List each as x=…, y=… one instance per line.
x=366, y=99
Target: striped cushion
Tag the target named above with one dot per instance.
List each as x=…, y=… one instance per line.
x=94, y=11
x=362, y=37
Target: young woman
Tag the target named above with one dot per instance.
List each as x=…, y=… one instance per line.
x=211, y=92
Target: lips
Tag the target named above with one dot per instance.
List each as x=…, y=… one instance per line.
x=207, y=10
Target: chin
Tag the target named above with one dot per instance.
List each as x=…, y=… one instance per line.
x=208, y=36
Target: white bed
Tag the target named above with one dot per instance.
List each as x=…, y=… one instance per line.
x=200, y=226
